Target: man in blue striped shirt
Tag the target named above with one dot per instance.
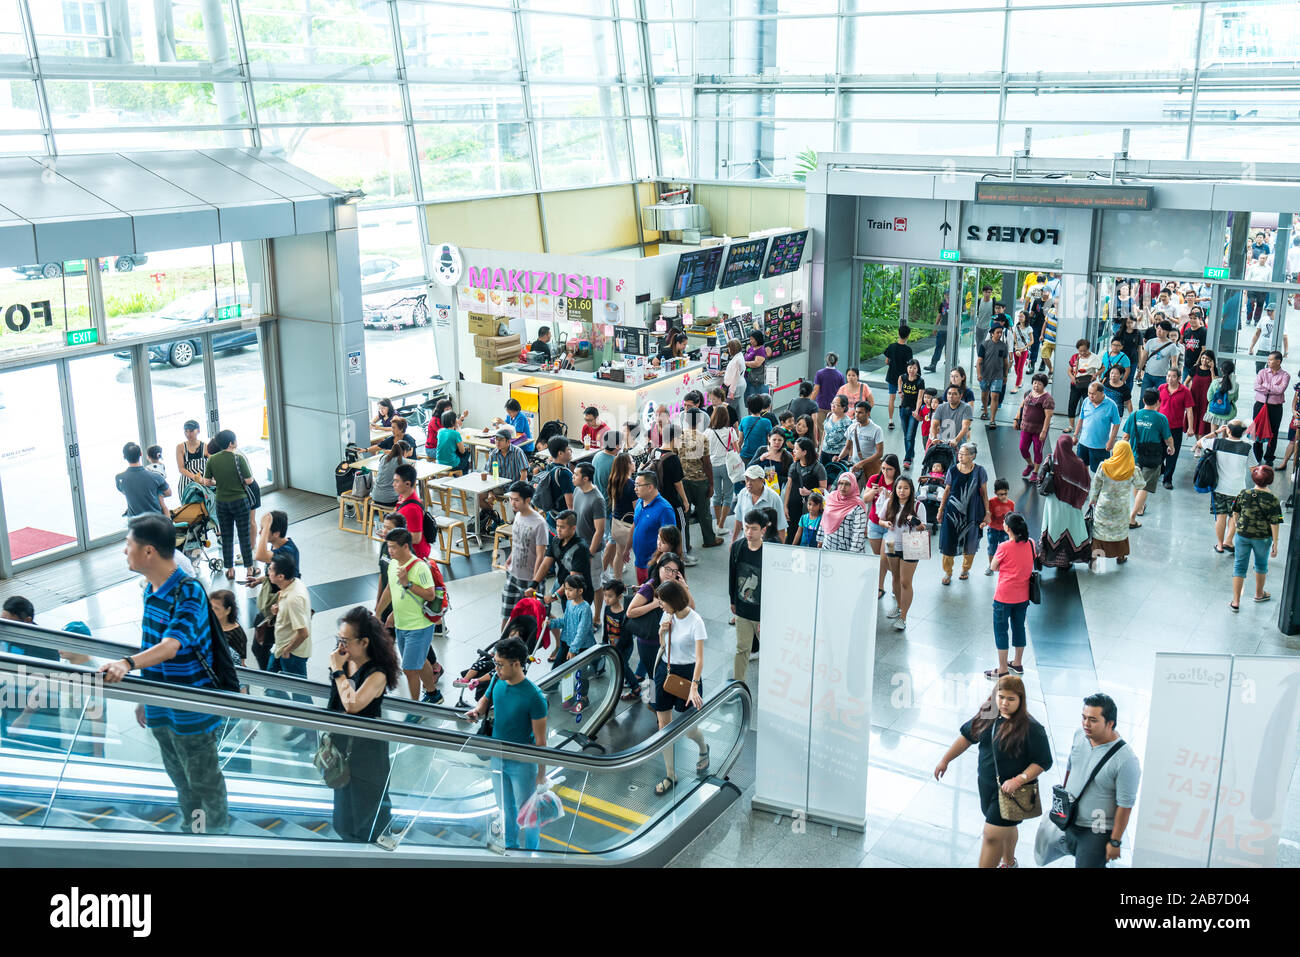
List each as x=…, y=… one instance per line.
x=175, y=633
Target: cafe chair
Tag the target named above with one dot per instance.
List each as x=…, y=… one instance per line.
x=447, y=528
x=499, y=558
x=361, y=511
x=375, y=519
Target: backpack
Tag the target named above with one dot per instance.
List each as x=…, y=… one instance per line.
x=342, y=478
x=550, y=430
x=221, y=671
x=547, y=497
x=1207, y=473
x=435, y=607
x=1219, y=404
x=1149, y=455
x=1047, y=478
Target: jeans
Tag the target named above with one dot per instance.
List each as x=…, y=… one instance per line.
x=190, y=760
x=293, y=665
x=754, y=390
x=940, y=340
x=697, y=497
x=624, y=648
x=1093, y=457
x=1005, y=613
x=234, y=516
x=1078, y=393
x=1171, y=460
x=1259, y=547
x=514, y=783
x=1150, y=381
x=1087, y=846
x=996, y=538
x=910, y=426
x=723, y=495
x=646, y=652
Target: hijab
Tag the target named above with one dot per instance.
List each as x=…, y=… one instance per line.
x=838, y=505
x=1119, y=466
x=1071, y=474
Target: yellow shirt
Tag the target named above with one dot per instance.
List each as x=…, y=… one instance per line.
x=294, y=613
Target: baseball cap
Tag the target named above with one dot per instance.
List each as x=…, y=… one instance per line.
x=505, y=433
x=191, y=424
x=77, y=628
x=755, y=472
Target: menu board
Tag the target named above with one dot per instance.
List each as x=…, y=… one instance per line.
x=783, y=328
x=744, y=262
x=630, y=340
x=697, y=272
x=738, y=326
x=786, y=254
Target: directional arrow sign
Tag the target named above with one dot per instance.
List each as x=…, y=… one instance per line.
x=946, y=228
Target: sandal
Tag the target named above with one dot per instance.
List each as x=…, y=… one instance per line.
x=1234, y=607
x=947, y=581
x=1220, y=549
x=702, y=765
x=964, y=576
x=1264, y=597
x=664, y=786
x=993, y=674
x=880, y=593
x=1134, y=524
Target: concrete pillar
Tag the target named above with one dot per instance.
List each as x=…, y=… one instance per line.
x=317, y=286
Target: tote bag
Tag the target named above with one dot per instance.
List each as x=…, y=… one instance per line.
x=735, y=464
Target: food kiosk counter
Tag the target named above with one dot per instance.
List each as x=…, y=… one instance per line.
x=618, y=402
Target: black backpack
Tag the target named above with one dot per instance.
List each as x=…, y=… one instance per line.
x=221, y=670
x=549, y=430
x=342, y=479
x=547, y=497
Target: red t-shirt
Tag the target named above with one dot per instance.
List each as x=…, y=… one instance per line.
x=594, y=432
x=998, y=510
x=878, y=481
x=1174, y=407
x=412, y=510
x=431, y=434
x=1015, y=563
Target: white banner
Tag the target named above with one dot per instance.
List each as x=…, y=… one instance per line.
x=814, y=699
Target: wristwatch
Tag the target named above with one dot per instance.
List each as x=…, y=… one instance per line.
x=130, y=662
x=1114, y=843
x=336, y=674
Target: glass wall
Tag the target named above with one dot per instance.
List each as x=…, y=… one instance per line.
x=34, y=470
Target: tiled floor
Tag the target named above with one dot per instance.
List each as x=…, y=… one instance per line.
x=1171, y=595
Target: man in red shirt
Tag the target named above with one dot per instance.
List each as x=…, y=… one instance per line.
x=411, y=508
x=1176, y=406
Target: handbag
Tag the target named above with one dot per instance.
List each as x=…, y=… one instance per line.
x=332, y=762
x=675, y=685
x=1047, y=478
x=735, y=464
x=1036, y=578
x=1022, y=803
x=620, y=530
x=916, y=544
x=1066, y=805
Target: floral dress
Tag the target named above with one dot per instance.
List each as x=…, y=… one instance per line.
x=1111, y=501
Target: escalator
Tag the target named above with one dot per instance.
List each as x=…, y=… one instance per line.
x=82, y=783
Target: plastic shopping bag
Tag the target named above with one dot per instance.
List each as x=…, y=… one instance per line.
x=540, y=809
x=1049, y=842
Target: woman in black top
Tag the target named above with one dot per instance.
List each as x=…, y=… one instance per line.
x=1131, y=345
x=1014, y=750
x=910, y=387
x=806, y=474
x=668, y=466
x=362, y=668
x=775, y=457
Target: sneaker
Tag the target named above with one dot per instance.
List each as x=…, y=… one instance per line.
x=1169, y=485
x=1028, y=470
x=1017, y=670
x=431, y=697
x=894, y=614
x=463, y=682
x=891, y=426
x=900, y=625
x=690, y=561
x=907, y=465
x=988, y=571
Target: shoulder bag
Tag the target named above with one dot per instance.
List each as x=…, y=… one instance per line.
x=675, y=685
x=332, y=761
x=1066, y=805
x=1022, y=803
x=1047, y=478
x=735, y=464
x=1036, y=578
x=620, y=530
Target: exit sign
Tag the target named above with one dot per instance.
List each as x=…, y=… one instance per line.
x=1216, y=272
x=230, y=312
x=82, y=337
x=950, y=255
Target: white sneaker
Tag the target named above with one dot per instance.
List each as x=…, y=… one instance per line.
x=893, y=614
x=900, y=625
x=690, y=561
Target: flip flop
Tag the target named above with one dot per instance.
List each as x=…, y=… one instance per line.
x=1264, y=597
x=1218, y=548
x=1134, y=524
x=947, y=581
x=964, y=576
x=1234, y=607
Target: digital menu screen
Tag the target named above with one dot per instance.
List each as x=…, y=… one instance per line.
x=697, y=272
x=787, y=253
x=744, y=262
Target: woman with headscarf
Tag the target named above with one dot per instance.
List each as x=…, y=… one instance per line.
x=965, y=498
x=1065, y=531
x=844, y=518
x=1111, y=497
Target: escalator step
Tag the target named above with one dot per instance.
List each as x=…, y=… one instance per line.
x=112, y=818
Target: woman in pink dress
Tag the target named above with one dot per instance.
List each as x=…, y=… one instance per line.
x=1198, y=381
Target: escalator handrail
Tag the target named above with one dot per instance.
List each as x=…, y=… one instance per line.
x=298, y=715
x=57, y=640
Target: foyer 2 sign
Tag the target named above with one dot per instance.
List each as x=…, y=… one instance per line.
x=1030, y=235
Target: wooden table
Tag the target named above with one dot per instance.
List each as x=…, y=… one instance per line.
x=425, y=471
x=473, y=485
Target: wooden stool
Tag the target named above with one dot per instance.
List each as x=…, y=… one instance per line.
x=458, y=496
x=362, y=506
x=374, y=516
x=434, y=492
x=447, y=539
x=502, y=533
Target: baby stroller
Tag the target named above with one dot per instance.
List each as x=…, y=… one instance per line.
x=939, y=457
x=525, y=628
x=194, y=525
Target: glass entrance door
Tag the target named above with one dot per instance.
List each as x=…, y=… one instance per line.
x=881, y=312
x=36, y=472
x=927, y=312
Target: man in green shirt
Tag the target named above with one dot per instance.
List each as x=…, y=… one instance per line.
x=411, y=583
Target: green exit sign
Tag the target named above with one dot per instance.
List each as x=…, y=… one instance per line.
x=230, y=312
x=82, y=337
x=1216, y=272
x=950, y=255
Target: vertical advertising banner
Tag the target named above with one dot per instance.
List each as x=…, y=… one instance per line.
x=814, y=699
x=1259, y=757
x=1180, y=770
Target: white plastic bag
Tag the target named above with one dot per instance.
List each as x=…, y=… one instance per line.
x=540, y=809
x=1049, y=842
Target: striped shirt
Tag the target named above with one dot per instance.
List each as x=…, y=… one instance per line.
x=513, y=465
x=178, y=610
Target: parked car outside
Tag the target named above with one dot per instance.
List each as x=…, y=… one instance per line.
x=190, y=315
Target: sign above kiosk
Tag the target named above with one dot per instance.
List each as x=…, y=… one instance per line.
x=1078, y=196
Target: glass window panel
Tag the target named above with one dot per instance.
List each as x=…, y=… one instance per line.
x=468, y=159
x=637, y=101
x=643, y=161
x=22, y=145
x=110, y=103
x=441, y=40
x=977, y=139
x=1154, y=39
x=160, y=293
x=464, y=102
x=569, y=47
x=12, y=43
x=1246, y=105
x=673, y=100
x=374, y=159
x=1248, y=36
x=40, y=302
x=758, y=149
x=1225, y=142
x=674, y=148
x=159, y=33
x=127, y=142
x=670, y=49
x=308, y=38
x=180, y=394
x=103, y=402
x=766, y=104
x=633, y=62
x=802, y=46
x=577, y=152
x=1160, y=106
x=326, y=102
x=961, y=43
x=241, y=399
x=398, y=340
x=34, y=464
x=669, y=9
x=596, y=8
x=18, y=110
x=939, y=105
x=1101, y=141
x=390, y=245
x=551, y=101
x=240, y=296
x=749, y=8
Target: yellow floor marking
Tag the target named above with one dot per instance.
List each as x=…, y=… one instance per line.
x=554, y=840
x=100, y=816
x=29, y=812
x=617, y=810
x=598, y=820
x=320, y=827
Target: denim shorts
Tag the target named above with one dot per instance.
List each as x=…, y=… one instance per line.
x=1259, y=547
x=414, y=647
x=992, y=385
x=875, y=531
x=893, y=387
